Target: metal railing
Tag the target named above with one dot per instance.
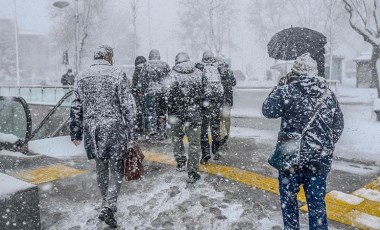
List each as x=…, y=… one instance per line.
x=49, y=95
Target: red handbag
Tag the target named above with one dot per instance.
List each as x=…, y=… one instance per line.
x=133, y=163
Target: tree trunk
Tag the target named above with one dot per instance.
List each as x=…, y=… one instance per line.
x=375, y=76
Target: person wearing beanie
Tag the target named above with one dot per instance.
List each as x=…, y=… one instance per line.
x=103, y=114
x=152, y=80
x=185, y=101
x=212, y=106
x=137, y=92
x=310, y=111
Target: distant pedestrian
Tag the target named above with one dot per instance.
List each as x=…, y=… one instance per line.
x=310, y=114
x=152, y=84
x=68, y=78
x=101, y=104
x=228, y=82
x=212, y=106
x=138, y=93
x=185, y=102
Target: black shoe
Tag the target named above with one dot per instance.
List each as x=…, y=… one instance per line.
x=223, y=141
x=108, y=217
x=216, y=156
x=101, y=216
x=204, y=159
x=193, y=177
x=181, y=166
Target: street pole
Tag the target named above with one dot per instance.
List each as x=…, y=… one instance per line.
x=76, y=38
x=331, y=37
x=16, y=38
x=149, y=29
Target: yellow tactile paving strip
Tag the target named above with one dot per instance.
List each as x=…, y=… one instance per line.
x=362, y=215
x=47, y=174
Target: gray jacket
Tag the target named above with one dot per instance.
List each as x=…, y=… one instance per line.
x=103, y=111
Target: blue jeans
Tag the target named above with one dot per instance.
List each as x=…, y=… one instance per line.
x=315, y=191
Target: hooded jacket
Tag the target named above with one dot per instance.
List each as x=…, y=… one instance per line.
x=186, y=93
x=101, y=102
x=294, y=104
x=139, y=64
x=153, y=74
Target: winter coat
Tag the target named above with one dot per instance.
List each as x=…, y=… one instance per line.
x=136, y=89
x=101, y=102
x=228, y=81
x=186, y=92
x=68, y=79
x=154, y=74
x=295, y=104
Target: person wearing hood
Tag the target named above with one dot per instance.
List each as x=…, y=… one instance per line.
x=152, y=84
x=137, y=93
x=102, y=114
x=185, y=101
x=295, y=103
x=212, y=106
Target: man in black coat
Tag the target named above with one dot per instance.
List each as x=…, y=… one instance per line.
x=152, y=83
x=295, y=104
x=137, y=93
x=185, y=100
x=228, y=82
x=68, y=78
x=103, y=113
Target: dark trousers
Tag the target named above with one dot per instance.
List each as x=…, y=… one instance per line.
x=315, y=191
x=150, y=113
x=109, y=177
x=140, y=113
x=161, y=109
x=211, y=117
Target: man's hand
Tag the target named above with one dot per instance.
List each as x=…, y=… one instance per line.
x=76, y=142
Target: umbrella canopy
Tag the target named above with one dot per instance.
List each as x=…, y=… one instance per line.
x=290, y=43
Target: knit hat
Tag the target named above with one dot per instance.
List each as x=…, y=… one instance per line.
x=181, y=57
x=305, y=65
x=103, y=51
x=208, y=56
x=139, y=60
x=154, y=55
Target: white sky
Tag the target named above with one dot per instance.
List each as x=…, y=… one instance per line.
x=32, y=15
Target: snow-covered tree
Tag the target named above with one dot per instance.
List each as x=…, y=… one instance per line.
x=205, y=25
x=90, y=16
x=365, y=19
x=270, y=16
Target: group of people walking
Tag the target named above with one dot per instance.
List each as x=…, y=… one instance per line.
x=191, y=97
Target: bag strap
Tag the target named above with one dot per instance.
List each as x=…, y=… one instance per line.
x=315, y=113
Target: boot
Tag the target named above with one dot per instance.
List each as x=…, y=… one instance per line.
x=181, y=166
x=205, y=158
x=107, y=216
x=215, y=149
x=193, y=177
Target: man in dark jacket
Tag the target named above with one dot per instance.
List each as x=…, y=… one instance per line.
x=137, y=93
x=68, y=78
x=295, y=104
x=228, y=81
x=151, y=83
x=212, y=106
x=184, y=108
x=101, y=102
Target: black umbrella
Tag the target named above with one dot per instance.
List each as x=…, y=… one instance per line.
x=290, y=43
